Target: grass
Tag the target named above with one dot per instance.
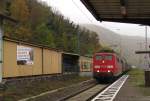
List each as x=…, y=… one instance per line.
x=136, y=77
x=137, y=80
x=14, y=93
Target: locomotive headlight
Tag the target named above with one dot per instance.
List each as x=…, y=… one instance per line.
x=98, y=71
x=108, y=71
x=110, y=66
x=96, y=66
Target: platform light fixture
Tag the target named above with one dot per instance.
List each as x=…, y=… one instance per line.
x=123, y=7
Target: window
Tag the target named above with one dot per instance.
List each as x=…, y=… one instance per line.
x=122, y=61
x=118, y=59
x=99, y=57
x=108, y=57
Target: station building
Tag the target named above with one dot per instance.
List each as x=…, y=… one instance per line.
x=20, y=58
x=85, y=66
x=25, y=59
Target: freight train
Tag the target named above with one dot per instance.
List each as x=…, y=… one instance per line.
x=108, y=65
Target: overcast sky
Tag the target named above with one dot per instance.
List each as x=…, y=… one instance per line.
x=77, y=12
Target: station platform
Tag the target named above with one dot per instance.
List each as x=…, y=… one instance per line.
x=131, y=92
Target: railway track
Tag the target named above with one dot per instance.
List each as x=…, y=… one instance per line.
x=86, y=95
x=100, y=92
x=110, y=92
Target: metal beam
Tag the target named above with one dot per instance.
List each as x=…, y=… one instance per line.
x=91, y=9
x=128, y=20
x=132, y=11
x=142, y=52
x=123, y=2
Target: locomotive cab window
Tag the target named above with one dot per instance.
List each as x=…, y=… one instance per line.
x=118, y=59
x=122, y=61
x=98, y=57
x=108, y=57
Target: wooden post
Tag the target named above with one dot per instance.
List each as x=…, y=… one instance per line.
x=147, y=71
x=147, y=78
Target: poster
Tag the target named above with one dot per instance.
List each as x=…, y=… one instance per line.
x=24, y=55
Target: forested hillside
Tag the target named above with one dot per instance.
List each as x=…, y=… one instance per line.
x=41, y=24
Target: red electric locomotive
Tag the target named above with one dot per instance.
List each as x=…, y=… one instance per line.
x=107, y=65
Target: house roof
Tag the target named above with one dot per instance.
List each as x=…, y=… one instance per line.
x=23, y=42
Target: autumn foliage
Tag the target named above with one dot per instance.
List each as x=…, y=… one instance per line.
x=41, y=24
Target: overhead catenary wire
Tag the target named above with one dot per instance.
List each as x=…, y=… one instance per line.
x=82, y=11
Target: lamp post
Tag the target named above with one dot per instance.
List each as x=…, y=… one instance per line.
x=146, y=38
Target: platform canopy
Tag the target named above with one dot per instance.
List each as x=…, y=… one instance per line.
x=125, y=11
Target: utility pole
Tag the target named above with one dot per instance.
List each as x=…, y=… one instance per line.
x=147, y=71
x=78, y=36
x=146, y=55
x=120, y=46
x=147, y=65
x=140, y=47
x=146, y=38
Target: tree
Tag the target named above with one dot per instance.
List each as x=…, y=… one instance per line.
x=2, y=6
x=39, y=12
x=44, y=35
x=73, y=44
x=106, y=49
x=19, y=10
x=22, y=32
x=40, y=24
x=65, y=41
